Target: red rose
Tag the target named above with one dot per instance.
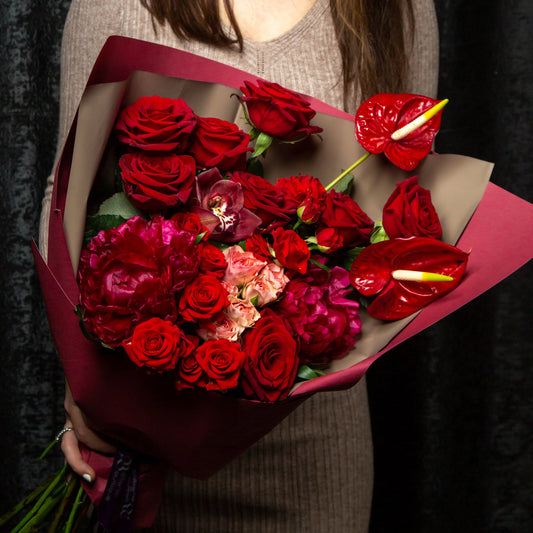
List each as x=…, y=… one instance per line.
x=190, y=222
x=410, y=213
x=344, y=214
x=329, y=240
x=304, y=195
x=212, y=260
x=156, y=123
x=258, y=245
x=219, y=143
x=262, y=198
x=277, y=111
x=157, y=344
x=204, y=298
x=132, y=273
x=190, y=373
x=272, y=363
x=222, y=361
x=291, y=250
x=155, y=182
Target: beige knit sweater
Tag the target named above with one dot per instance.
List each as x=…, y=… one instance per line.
x=314, y=471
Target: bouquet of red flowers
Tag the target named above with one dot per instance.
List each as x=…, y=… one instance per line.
x=214, y=282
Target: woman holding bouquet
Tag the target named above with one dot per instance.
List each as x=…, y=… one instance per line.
x=314, y=471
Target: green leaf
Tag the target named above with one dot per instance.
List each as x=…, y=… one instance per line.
x=378, y=233
x=262, y=144
x=349, y=257
x=119, y=205
x=305, y=373
x=254, y=166
x=320, y=265
x=95, y=223
x=345, y=185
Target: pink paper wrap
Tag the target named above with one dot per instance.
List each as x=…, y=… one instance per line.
x=195, y=431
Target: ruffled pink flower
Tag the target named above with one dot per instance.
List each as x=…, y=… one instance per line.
x=223, y=327
x=242, y=266
x=267, y=286
x=317, y=313
x=243, y=312
x=132, y=273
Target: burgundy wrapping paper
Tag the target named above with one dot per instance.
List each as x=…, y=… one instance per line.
x=198, y=432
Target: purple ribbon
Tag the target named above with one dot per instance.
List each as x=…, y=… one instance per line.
x=115, y=512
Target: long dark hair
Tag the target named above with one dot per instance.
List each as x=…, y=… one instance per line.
x=372, y=36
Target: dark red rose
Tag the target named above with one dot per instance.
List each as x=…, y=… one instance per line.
x=190, y=373
x=304, y=195
x=277, y=111
x=156, y=123
x=222, y=361
x=259, y=246
x=212, y=260
x=329, y=240
x=157, y=344
x=344, y=214
x=132, y=273
x=291, y=250
x=219, y=143
x=263, y=199
x=410, y=213
x=155, y=182
x=204, y=298
x=190, y=222
x=272, y=362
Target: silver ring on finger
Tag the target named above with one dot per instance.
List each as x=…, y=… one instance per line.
x=59, y=436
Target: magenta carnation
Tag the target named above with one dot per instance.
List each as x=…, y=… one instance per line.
x=132, y=273
x=317, y=313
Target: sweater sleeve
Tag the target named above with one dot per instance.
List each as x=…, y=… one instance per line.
x=88, y=24
x=424, y=52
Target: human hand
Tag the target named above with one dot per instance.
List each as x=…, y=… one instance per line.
x=81, y=432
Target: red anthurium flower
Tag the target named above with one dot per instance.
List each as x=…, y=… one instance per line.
x=380, y=116
x=372, y=274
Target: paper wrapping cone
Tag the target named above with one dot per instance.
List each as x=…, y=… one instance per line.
x=195, y=431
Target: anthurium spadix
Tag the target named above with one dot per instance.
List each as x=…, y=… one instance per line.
x=404, y=275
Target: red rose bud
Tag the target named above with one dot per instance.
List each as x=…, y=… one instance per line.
x=372, y=273
x=204, y=298
x=304, y=195
x=219, y=143
x=409, y=212
x=379, y=117
x=157, y=344
x=222, y=362
x=190, y=373
x=190, y=222
x=156, y=123
x=277, y=111
x=343, y=214
x=272, y=363
x=212, y=260
x=290, y=250
x=155, y=182
x=328, y=240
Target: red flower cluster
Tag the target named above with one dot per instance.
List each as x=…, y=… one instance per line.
x=179, y=295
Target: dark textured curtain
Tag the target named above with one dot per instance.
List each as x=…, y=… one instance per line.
x=451, y=408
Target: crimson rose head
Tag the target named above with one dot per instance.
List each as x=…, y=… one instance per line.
x=156, y=123
x=277, y=111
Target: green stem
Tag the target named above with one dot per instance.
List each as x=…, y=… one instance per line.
x=71, y=485
x=35, y=510
x=73, y=511
x=347, y=171
x=26, y=501
x=38, y=518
